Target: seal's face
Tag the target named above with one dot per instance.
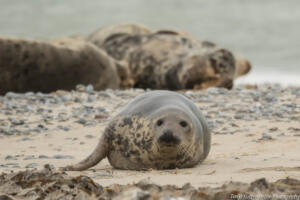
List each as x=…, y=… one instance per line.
x=172, y=129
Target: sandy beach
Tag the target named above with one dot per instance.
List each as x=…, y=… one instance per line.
x=255, y=134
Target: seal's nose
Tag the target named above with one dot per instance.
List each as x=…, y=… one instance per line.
x=168, y=137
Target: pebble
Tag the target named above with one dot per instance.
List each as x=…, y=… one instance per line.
x=32, y=165
x=65, y=128
x=10, y=165
x=26, y=139
x=273, y=129
x=80, y=88
x=101, y=116
x=30, y=157
x=89, y=88
x=91, y=98
x=17, y=122
x=43, y=157
x=266, y=137
x=270, y=98
x=102, y=174
x=59, y=156
x=6, y=130
x=9, y=157
x=89, y=136
x=135, y=193
x=281, y=135
x=293, y=129
x=82, y=121
x=36, y=113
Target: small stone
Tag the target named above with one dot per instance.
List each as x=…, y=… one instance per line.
x=266, y=137
x=281, y=135
x=9, y=157
x=239, y=116
x=43, y=157
x=30, y=157
x=8, y=131
x=133, y=193
x=11, y=164
x=17, y=122
x=104, y=94
x=40, y=110
x=273, y=129
x=32, y=165
x=270, y=98
x=89, y=88
x=103, y=174
x=49, y=167
x=78, y=100
x=294, y=129
x=91, y=98
x=82, y=121
x=66, y=98
x=145, y=182
x=89, y=136
x=101, y=116
x=80, y=88
x=63, y=128
x=25, y=139
x=59, y=156
x=90, y=123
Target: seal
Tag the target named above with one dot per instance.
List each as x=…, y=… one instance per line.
x=173, y=60
x=46, y=66
x=156, y=130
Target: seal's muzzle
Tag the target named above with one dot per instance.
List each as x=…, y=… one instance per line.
x=168, y=137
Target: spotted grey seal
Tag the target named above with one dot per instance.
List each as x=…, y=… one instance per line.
x=172, y=60
x=158, y=130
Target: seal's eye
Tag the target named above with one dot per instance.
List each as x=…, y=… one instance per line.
x=183, y=124
x=159, y=122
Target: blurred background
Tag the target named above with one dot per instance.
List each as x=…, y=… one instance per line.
x=267, y=32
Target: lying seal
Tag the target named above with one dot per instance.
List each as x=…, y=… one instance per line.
x=171, y=60
x=46, y=66
x=159, y=130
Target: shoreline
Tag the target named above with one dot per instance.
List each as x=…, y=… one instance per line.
x=255, y=134
x=265, y=77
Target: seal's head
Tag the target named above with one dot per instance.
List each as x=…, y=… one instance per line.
x=243, y=66
x=172, y=127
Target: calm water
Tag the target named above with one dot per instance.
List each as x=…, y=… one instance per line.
x=265, y=31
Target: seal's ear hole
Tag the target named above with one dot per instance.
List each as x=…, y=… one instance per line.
x=183, y=124
x=159, y=122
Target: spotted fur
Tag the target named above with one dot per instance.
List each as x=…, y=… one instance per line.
x=172, y=60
